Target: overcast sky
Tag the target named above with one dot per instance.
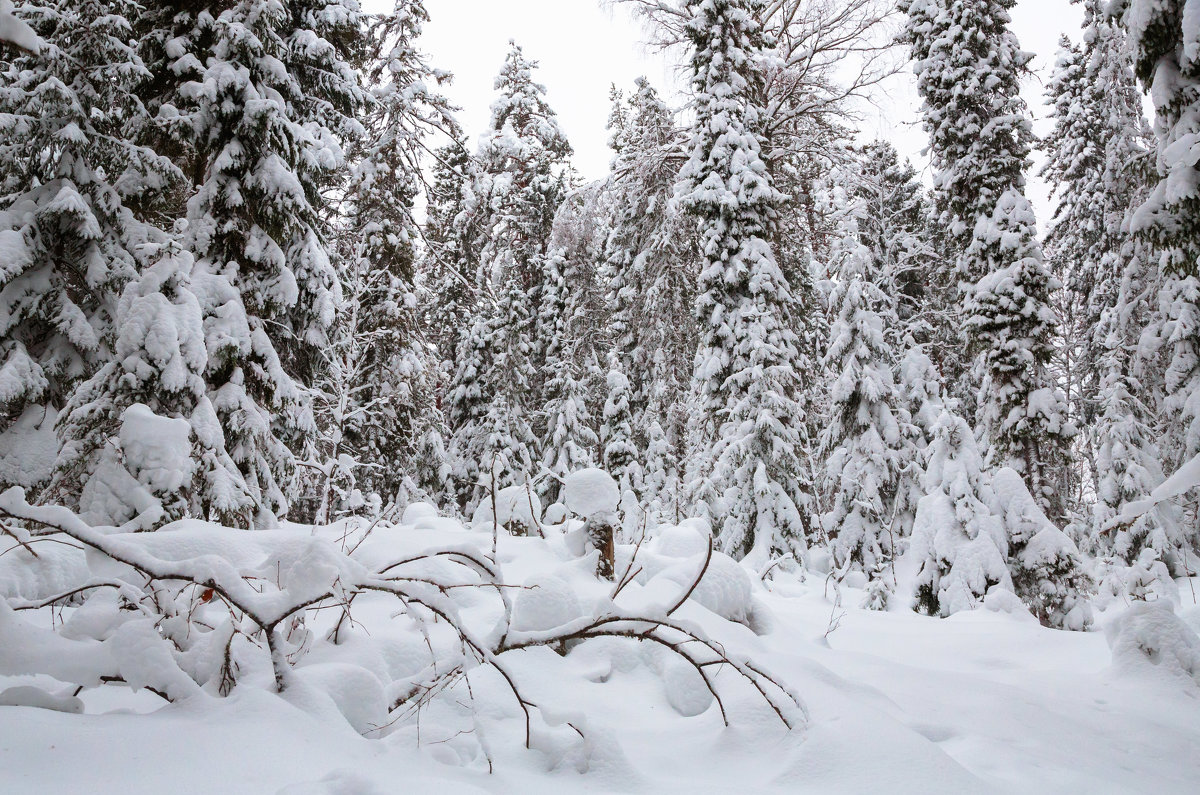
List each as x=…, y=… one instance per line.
x=584, y=47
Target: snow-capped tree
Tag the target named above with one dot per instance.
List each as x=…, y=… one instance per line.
x=1098, y=162
x=379, y=398
x=968, y=65
x=863, y=440
x=961, y=545
x=922, y=400
x=1166, y=59
x=516, y=191
x=892, y=214
x=68, y=168
x=451, y=261
x=112, y=469
x=648, y=256
x=256, y=100
x=744, y=456
x=1011, y=324
x=569, y=441
x=620, y=454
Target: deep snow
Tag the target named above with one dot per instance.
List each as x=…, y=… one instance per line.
x=978, y=702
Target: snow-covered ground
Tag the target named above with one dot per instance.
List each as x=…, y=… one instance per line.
x=978, y=702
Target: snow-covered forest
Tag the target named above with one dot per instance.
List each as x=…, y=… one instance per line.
x=344, y=449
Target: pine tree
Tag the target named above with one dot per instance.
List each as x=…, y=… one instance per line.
x=648, y=258
x=863, y=440
x=968, y=66
x=892, y=216
x=744, y=451
x=1011, y=324
x=1098, y=160
x=1164, y=44
x=256, y=101
x=921, y=403
x=69, y=171
x=451, y=262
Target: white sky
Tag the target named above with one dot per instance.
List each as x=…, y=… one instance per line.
x=583, y=47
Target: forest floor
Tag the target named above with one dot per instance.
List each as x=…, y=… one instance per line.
x=897, y=702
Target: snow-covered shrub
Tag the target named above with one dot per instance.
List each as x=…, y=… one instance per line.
x=517, y=509
x=353, y=619
x=1149, y=639
x=1147, y=579
x=1048, y=573
x=960, y=543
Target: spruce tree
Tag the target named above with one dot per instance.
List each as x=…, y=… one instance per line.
x=389, y=423
x=256, y=101
x=892, y=217
x=518, y=186
x=968, y=66
x=862, y=443
x=1098, y=157
x=620, y=455
x=744, y=456
x=648, y=257
x=961, y=545
x=569, y=441
x=69, y=171
x=450, y=265
x=159, y=363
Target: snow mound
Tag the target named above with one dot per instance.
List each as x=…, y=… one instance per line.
x=544, y=602
x=1149, y=639
x=356, y=692
x=29, y=696
x=556, y=513
x=591, y=492
x=519, y=510
x=685, y=689
x=684, y=540
x=725, y=588
x=157, y=450
x=419, y=514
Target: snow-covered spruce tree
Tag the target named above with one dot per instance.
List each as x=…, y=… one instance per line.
x=892, y=215
x=1010, y=323
x=68, y=168
x=380, y=404
x=921, y=403
x=968, y=65
x=1098, y=160
x=961, y=545
x=569, y=441
x=256, y=100
x=518, y=186
x=620, y=455
x=450, y=264
x=1128, y=468
x=649, y=253
x=649, y=269
x=580, y=229
x=1166, y=52
x=141, y=435
x=744, y=457
x=862, y=443
x=1100, y=157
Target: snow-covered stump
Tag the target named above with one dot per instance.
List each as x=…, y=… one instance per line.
x=593, y=495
